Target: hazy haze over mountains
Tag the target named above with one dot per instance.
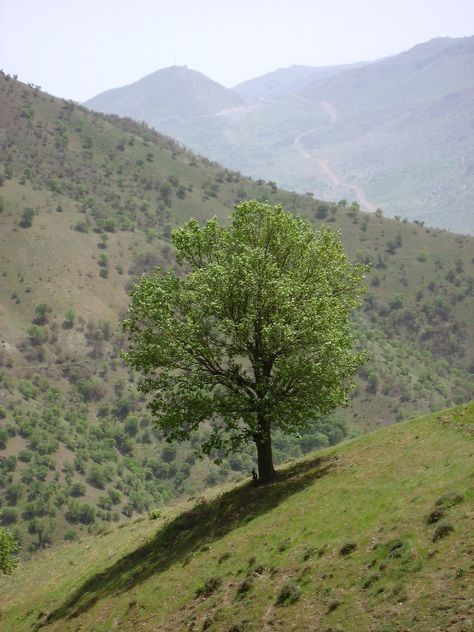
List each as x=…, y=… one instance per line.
x=396, y=133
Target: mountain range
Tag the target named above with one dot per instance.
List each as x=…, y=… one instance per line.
x=396, y=134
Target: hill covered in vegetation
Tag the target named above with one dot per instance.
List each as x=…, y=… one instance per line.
x=87, y=203
x=373, y=535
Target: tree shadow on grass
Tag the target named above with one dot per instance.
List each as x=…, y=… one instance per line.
x=178, y=539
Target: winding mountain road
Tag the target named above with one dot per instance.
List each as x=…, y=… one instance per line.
x=324, y=164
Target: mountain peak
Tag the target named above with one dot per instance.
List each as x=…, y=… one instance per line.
x=175, y=91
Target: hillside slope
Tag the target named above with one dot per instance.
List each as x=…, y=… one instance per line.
x=291, y=80
x=402, y=129
x=170, y=92
x=396, y=133
x=87, y=203
x=374, y=535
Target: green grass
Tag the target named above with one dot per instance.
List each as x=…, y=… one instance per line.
x=285, y=542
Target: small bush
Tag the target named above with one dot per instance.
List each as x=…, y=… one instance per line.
x=245, y=586
x=442, y=530
x=395, y=548
x=434, y=516
x=289, y=593
x=209, y=587
x=71, y=536
x=8, y=516
x=309, y=553
x=449, y=500
x=371, y=579
x=77, y=489
x=348, y=548
x=154, y=514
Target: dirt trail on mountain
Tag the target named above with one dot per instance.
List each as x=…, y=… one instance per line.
x=325, y=165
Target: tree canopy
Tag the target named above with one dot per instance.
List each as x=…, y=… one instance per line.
x=255, y=333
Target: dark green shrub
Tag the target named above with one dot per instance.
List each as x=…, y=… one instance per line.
x=246, y=586
x=8, y=515
x=442, y=530
x=77, y=489
x=348, y=548
x=435, y=516
x=370, y=580
x=209, y=587
x=289, y=593
x=449, y=500
x=80, y=512
x=97, y=477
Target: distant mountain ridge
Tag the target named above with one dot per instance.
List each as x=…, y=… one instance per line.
x=396, y=133
x=291, y=80
x=410, y=78
x=173, y=91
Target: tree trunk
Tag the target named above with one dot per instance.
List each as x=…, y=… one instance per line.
x=263, y=441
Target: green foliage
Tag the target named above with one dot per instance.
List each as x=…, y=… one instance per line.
x=4, y=436
x=42, y=311
x=37, y=334
x=8, y=515
x=289, y=593
x=97, y=477
x=27, y=217
x=80, y=512
x=77, y=489
x=9, y=546
x=154, y=514
x=255, y=337
x=69, y=317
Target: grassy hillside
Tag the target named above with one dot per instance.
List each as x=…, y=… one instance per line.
x=87, y=203
x=395, y=133
x=375, y=534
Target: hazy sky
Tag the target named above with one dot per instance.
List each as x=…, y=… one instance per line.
x=78, y=48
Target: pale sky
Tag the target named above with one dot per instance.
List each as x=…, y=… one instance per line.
x=77, y=48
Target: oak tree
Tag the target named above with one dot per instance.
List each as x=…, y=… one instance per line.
x=254, y=335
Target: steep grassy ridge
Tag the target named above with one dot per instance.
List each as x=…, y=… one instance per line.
x=87, y=203
x=374, y=535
